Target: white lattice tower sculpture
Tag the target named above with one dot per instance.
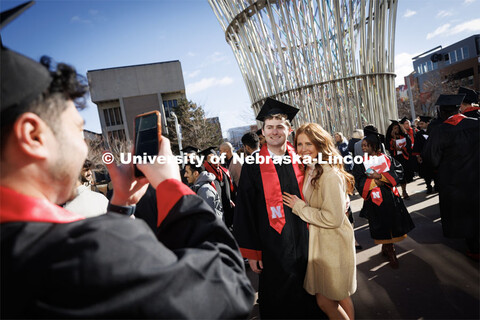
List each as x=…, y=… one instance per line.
x=333, y=59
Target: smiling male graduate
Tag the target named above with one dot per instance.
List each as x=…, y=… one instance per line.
x=275, y=240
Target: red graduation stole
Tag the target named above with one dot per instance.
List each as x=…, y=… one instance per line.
x=272, y=189
x=455, y=119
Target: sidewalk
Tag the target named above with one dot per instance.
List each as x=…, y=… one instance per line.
x=435, y=279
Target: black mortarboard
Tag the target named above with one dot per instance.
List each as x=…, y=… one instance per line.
x=22, y=79
x=207, y=151
x=471, y=96
x=450, y=100
x=403, y=120
x=272, y=106
x=425, y=118
x=190, y=149
x=394, y=121
x=370, y=129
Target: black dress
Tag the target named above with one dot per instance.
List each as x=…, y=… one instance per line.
x=284, y=256
x=389, y=221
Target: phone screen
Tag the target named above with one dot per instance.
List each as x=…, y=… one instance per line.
x=147, y=133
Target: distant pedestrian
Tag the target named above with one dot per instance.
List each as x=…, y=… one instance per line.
x=234, y=166
x=342, y=145
x=357, y=135
x=453, y=148
x=201, y=182
x=469, y=107
x=399, y=145
x=251, y=142
x=425, y=170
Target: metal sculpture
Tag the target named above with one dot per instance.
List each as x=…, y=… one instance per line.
x=334, y=59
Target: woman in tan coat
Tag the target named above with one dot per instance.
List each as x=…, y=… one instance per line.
x=331, y=270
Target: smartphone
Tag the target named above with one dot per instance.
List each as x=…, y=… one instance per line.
x=370, y=171
x=148, y=134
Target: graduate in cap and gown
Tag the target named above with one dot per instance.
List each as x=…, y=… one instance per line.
x=376, y=180
x=453, y=149
x=275, y=240
x=425, y=171
x=223, y=184
x=469, y=107
x=399, y=145
x=58, y=264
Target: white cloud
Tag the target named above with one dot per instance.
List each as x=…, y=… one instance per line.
x=448, y=30
x=206, y=83
x=193, y=74
x=77, y=19
x=403, y=66
x=440, y=30
x=191, y=54
x=443, y=14
x=409, y=13
x=468, y=1
x=216, y=57
x=470, y=26
x=93, y=12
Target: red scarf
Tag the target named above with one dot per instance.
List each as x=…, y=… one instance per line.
x=412, y=135
x=218, y=172
x=471, y=109
x=272, y=189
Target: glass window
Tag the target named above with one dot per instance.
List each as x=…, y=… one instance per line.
x=118, y=115
x=466, y=54
x=435, y=65
x=453, y=57
x=430, y=65
x=112, y=117
x=459, y=54
x=107, y=118
x=425, y=67
x=419, y=69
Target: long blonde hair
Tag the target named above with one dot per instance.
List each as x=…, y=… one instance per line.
x=324, y=144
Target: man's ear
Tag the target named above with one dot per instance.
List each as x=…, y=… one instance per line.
x=196, y=174
x=30, y=133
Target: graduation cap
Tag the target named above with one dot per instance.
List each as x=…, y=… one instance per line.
x=190, y=149
x=394, y=121
x=370, y=129
x=22, y=79
x=425, y=118
x=272, y=106
x=403, y=120
x=207, y=151
x=450, y=100
x=471, y=96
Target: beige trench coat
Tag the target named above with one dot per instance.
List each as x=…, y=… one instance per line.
x=331, y=268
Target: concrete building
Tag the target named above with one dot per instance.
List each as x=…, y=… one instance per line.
x=122, y=93
x=459, y=63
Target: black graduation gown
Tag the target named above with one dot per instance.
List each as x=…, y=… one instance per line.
x=284, y=256
x=425, y=169
x=111, y=266
x=472, y=112
x=390, y=219
x=453, y=149
x=403, y=158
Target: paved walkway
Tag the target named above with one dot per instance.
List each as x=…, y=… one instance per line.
x=435, y=279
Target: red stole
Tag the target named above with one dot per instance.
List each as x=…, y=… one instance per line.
x=272, y=189
x=218, y=172
x=411, y=133
x=17, y=207
x=471, y=109
x=455, y=119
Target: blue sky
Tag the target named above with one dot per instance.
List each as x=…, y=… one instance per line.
x=102, y=34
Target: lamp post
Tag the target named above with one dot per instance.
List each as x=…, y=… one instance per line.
x=178, y=131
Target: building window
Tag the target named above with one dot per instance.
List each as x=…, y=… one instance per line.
x=419, y=69
x=459, y=54
x=435, y=65
x=113, y=116
x=169, y=105
x=465, y=53
x=118, y=135
x=453, y=56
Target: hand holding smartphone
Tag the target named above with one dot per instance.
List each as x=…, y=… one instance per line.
x=148, y=135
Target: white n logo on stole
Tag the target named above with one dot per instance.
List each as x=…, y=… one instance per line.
x=276, y=212
x=375, y=194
